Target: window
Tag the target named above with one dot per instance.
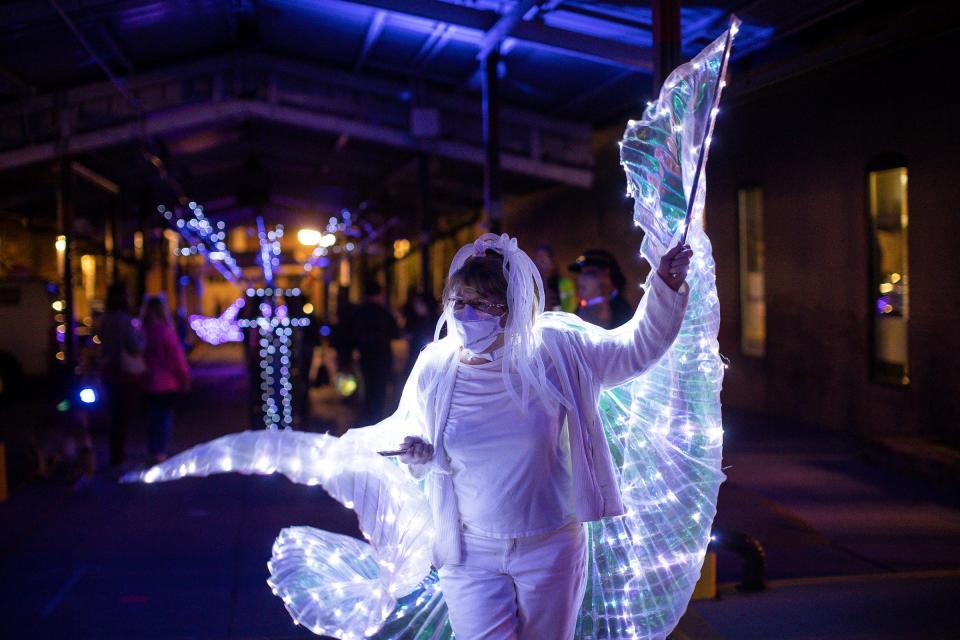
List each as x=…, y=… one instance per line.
x=753, y=308
x=889, y=299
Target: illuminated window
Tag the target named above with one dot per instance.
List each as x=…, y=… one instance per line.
x=889, y=300
x=753, y=308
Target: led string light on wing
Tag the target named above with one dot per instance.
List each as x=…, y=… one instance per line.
x=330, y=583
x=664, y=429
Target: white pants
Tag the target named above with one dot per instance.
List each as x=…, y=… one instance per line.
x=526, y=588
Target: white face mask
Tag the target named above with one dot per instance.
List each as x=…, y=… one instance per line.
x=477, y=330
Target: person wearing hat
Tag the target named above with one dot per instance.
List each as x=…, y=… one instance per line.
x=600, y=283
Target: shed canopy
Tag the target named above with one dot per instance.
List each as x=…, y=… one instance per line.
x=302, y=107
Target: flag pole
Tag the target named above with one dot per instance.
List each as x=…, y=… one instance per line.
x=701, y=158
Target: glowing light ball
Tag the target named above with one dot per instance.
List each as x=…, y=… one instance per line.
x=309, y=237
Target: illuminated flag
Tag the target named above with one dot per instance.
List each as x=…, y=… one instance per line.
x=664, y=154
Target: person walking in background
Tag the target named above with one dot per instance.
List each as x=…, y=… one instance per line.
x=560, y=291
x=121, y=366
x=341, y=337
x=167, y=374
x=600, y=283
x=419, y=322
x=373, y=327
x=308, y=339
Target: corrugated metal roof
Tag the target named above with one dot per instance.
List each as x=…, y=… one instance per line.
x=40, y=52
x=587, y=62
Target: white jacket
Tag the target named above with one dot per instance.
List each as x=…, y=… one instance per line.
x=588, y=359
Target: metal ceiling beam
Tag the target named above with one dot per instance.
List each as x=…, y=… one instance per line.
x=700, y=28
x=111, y=41
x=373, y=33
x=607, y=51
x=31, y=10
x=315, y=74
x=432, y=45
x=503, y=27
x=585, y=97
x=119, y=134
x=335, y=104
x=95, y=178
x=189, y=117
x=117, y=82
x=397, y=138
x=581, y=45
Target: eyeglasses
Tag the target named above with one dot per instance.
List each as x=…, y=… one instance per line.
x=484, y=306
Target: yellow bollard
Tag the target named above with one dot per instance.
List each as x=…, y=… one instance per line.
x=707, y=584
x=3, y=472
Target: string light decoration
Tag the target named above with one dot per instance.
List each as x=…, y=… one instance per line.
x=219, y=330
x=269, y=250
x=205, y=238
x=265, y=310
x=664, y=432
x=349, y=228
x=274, y=323
x=274, y=314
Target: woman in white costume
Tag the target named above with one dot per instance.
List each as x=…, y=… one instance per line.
x=511, y=442
x=521, y=425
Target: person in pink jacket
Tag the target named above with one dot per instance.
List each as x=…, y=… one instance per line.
x=167, y=374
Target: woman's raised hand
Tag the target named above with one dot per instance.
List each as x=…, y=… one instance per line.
x=416, y=450
x=674, y=266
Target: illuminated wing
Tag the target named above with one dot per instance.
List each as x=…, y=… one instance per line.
x=333, y=584
x=664, y=429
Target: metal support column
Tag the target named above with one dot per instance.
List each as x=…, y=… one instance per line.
x=388, y=269
x=180, y=296
x=666, y=40
x=424, y=224
x=142, y=254
x=362, y=266
x=65, y=214
x=492, y=206
x=111, y=240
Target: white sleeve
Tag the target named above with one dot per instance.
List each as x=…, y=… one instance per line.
x=620, y=354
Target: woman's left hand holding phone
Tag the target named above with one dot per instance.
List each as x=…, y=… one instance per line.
x=415, y=451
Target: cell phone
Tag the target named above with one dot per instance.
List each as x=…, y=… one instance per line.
x=390, y=454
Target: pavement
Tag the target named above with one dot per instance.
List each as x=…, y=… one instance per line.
x=853, y=550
